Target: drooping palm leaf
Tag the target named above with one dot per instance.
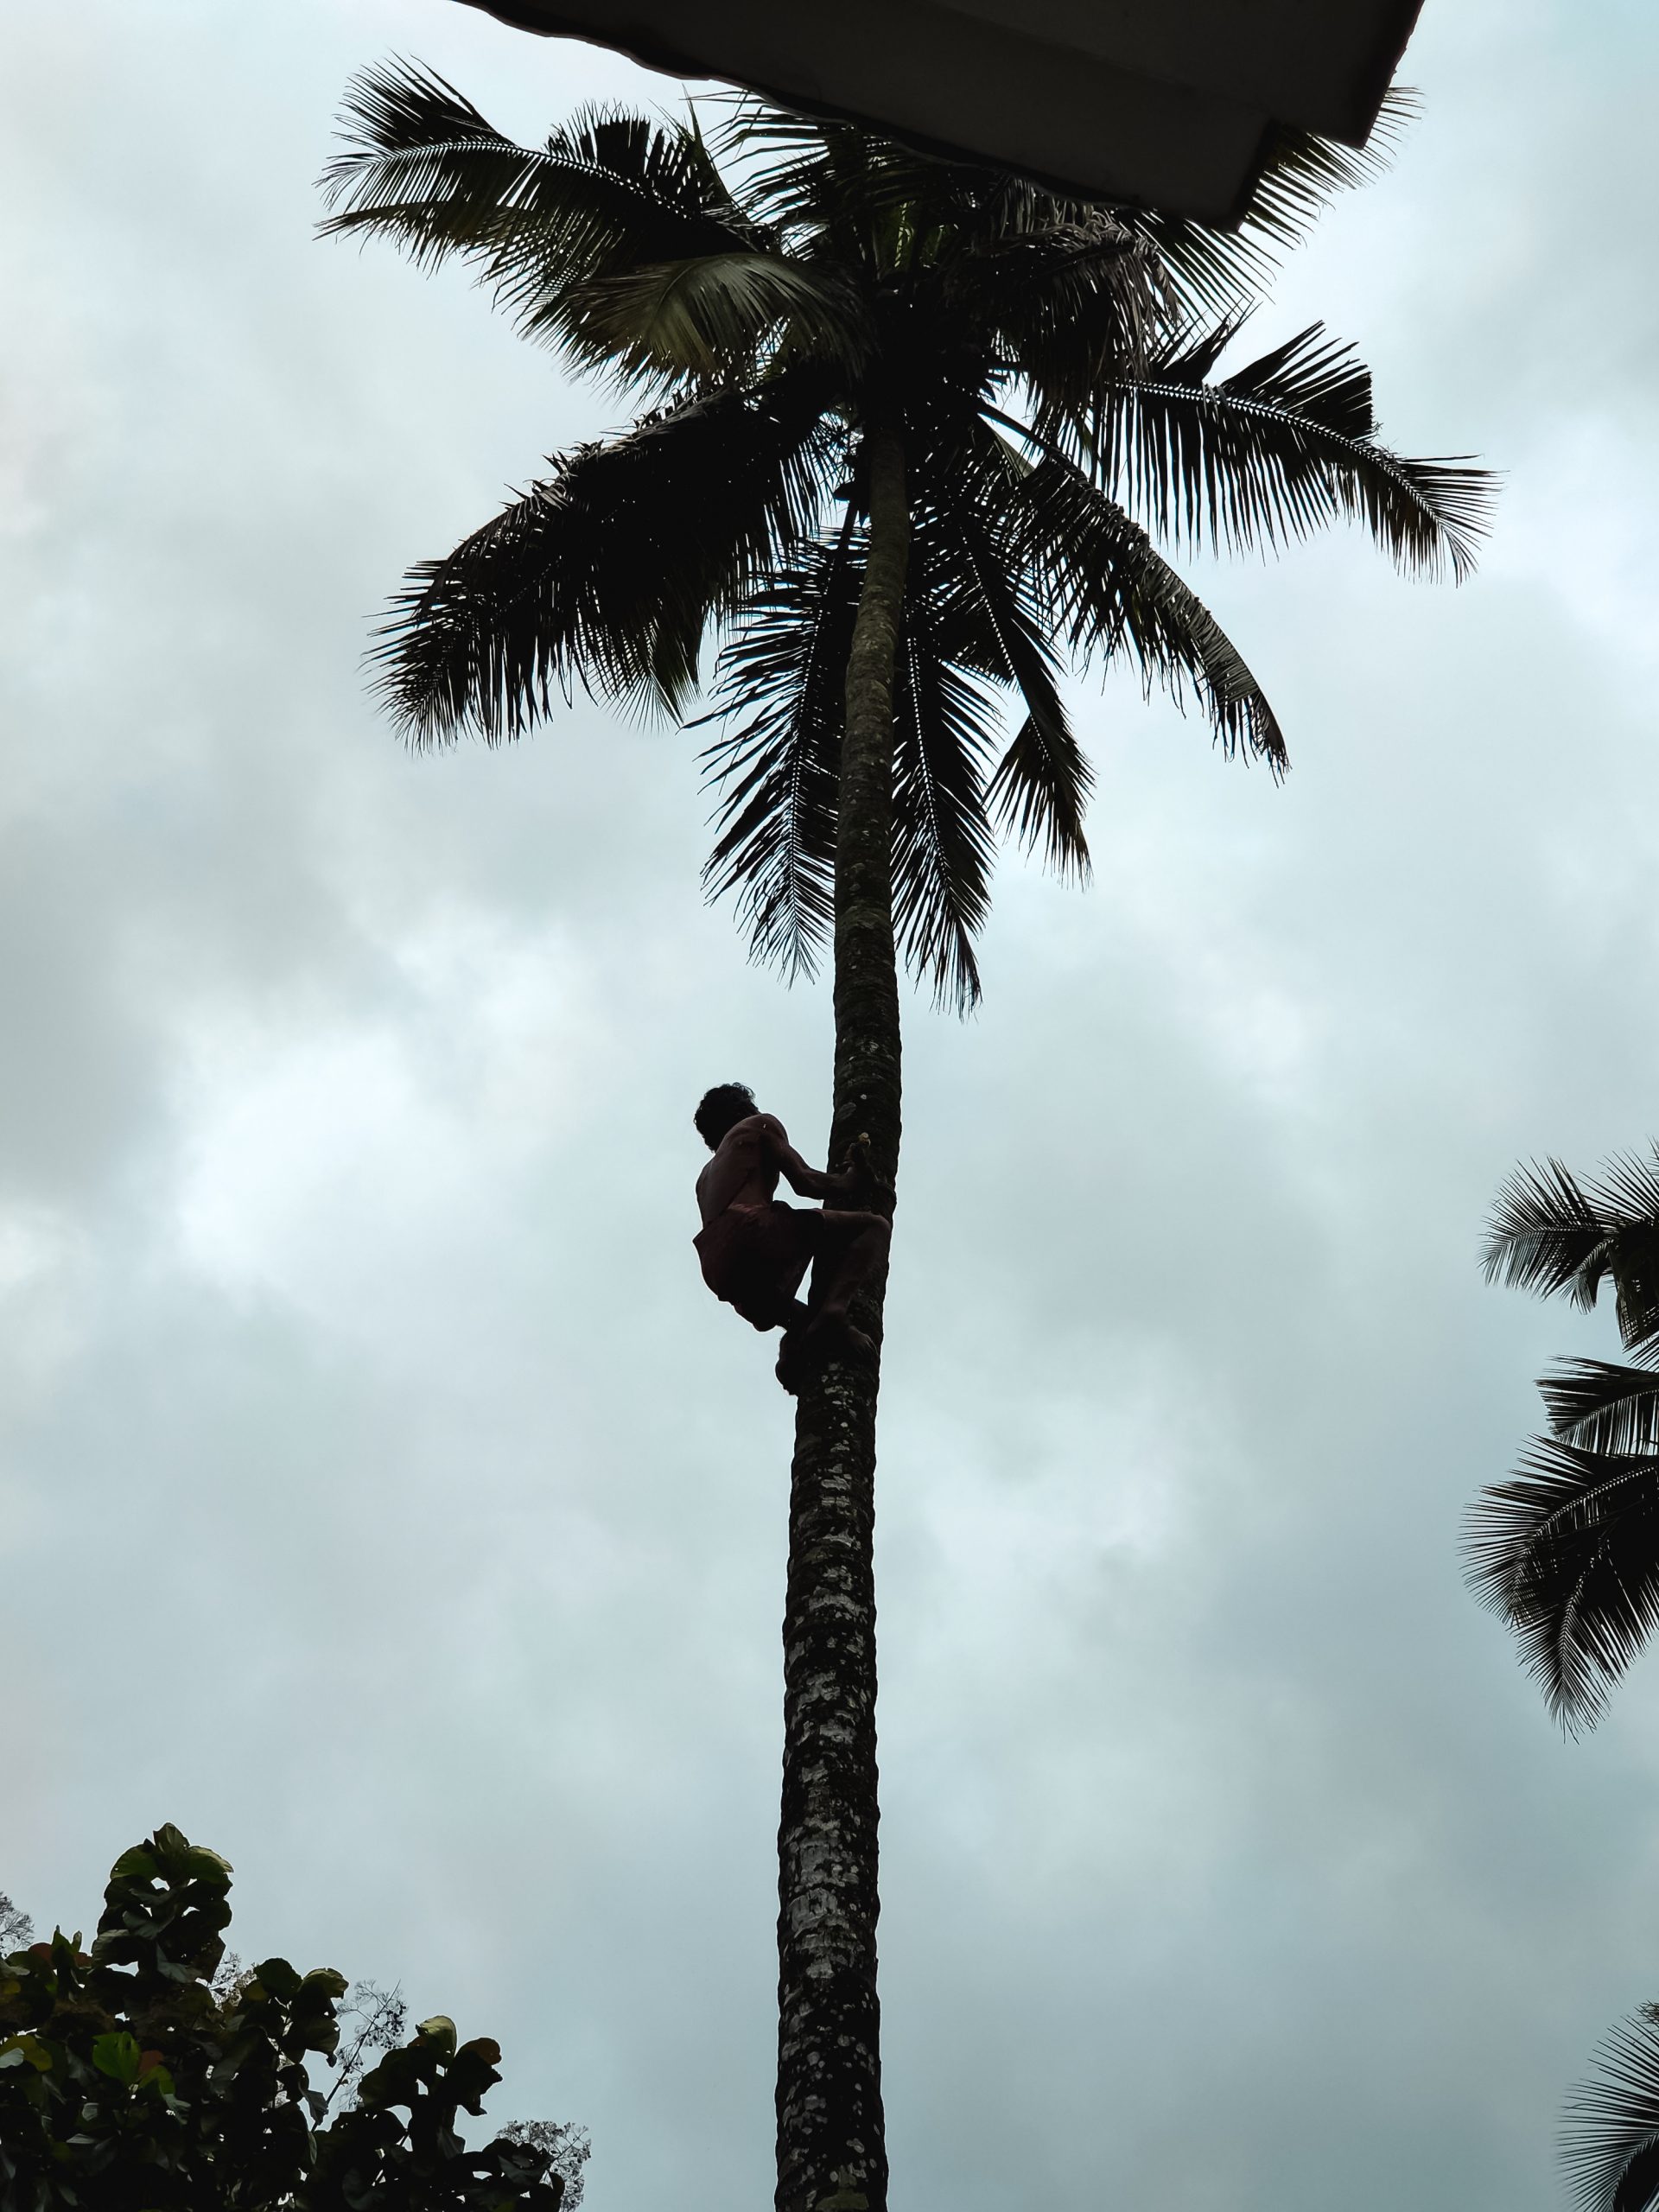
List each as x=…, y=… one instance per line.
x=1568, y=1551
x=776, y=772
x=608, y=573
x=1040, y=790
x=1547, y=1233
x=1610, y=2138
x=1108, y=590
x=1627, y=1197
x=608, y=193
x=1551, y=1232
x=1217, y=271
x=821, y=183
x=1603, y=1405
x=943, y=842
x=1064, y=303
x=1281, y=447
x=713, y=320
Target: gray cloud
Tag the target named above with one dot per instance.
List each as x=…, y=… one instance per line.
x=385, y=1500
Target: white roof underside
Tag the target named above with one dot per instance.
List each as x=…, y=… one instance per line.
x=1172, y=103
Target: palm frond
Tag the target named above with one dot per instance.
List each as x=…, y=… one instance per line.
x=1304, y=173
x=608, y=573
x=1552, y=1232
x=1064, y=303
x=1610, y=2135
x=1215, y=271
x=942, y=846
x=1629, y=1187
x=713, y=319
x=608, y=193
x=802, y=174
x=1277, y=450
x=1108, y=590
x=1568, y=1551
x=1602, y=1404
x=1626, y=1194
x=1547, y=1233
x=778, y=771
x=1040, y=788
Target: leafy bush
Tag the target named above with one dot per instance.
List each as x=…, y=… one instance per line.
x=130, y=2083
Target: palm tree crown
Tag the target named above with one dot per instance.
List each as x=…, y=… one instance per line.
x=1567, y=1549
x=1053, y=368
x=1610, y=2144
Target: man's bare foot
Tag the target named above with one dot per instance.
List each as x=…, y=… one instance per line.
x=791, y=1368
x=840, y=1340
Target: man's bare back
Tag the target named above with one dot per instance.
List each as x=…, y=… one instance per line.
x=755, y=1248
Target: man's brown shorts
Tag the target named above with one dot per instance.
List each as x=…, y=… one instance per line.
x=754, y=1258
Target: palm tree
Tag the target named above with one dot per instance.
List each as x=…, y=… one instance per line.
x=908, y=426
x=1567, y=1549
x=1609, y=2145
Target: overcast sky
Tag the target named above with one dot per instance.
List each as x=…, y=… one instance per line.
x=385, y=1500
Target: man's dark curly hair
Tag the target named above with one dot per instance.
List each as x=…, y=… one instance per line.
x=722, y=1109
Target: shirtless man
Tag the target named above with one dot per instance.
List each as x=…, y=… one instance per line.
x=755, y=1249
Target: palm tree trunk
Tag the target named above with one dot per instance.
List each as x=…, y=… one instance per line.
x=831, y=2139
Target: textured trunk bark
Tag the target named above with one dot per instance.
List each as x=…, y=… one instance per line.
x=831, y=2139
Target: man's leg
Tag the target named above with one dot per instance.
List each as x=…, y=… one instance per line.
x=850, y=1248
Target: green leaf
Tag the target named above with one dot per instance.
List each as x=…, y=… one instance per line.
x=207, y=1865
x=138, y=1865
x=439, y=2030
x=117, y=2055
x=279, y=1979
x=26, y=2050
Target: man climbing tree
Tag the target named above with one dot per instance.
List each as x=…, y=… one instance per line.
x=755, y=1248
x=909, y=428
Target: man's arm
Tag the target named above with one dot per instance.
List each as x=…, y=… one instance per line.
x=855, y=1182
x=805, y=1181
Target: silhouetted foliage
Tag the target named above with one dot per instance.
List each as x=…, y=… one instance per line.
x=1567, y=1549
x=1056, y=369
x=139, y=2075
x=568, y=2146
x=1610, y=2144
